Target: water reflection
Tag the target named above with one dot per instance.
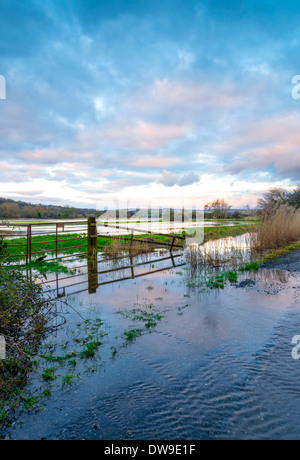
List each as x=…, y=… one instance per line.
x=198, y=360
x=95, y=272
x=223, y=254
x=271, y=275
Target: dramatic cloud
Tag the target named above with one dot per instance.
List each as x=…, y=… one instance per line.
x=139, y=98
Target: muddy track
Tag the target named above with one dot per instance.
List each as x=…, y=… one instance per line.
x=289, y=262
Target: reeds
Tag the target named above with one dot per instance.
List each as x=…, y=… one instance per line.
x=271, y=233
x=277, y=230
x=229, y=252
x=117, y=248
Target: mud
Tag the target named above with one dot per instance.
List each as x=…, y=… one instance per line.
x=289, y=262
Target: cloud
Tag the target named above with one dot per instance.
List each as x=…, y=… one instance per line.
x=272, y=145
x=137, y=135
x=89, y=104
x=170, y=179
x=146, y=161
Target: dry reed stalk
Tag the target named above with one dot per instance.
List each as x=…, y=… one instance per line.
x=277, y=230
x=227, y=252
x=117, y=248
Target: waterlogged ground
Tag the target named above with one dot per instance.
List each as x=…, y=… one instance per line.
x=160, y=356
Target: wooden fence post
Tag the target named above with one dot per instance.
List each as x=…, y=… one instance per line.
x=92, y=236
x=56, y=245
x=172, y=244
x=92, y=275
x=27, y=248
x=29, y=242
x=131, y=242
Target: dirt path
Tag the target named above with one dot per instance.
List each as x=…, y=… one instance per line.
x=289, y=262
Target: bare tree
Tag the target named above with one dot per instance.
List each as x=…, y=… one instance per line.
x=294, y=198
x=219, y=209
x=273, y=198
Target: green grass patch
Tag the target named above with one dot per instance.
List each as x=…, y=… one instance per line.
x=251, y=267
x=48, y=374
x=214, y=233
x=49, y=267
x=47, y=244
x=137, y=314
x=219, y=281
x=133, y=334
x=90, y=349
x=66, y=242
x=30, y=401
x=68, y=379
x=280, y=252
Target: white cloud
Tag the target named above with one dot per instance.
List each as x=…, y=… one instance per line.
x=170, y=179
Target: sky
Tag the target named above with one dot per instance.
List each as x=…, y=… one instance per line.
x=141, y=100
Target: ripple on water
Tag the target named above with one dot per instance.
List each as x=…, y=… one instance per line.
x=222, y=370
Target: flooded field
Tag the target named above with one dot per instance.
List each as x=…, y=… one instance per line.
x=18, y=228
x=143, y=350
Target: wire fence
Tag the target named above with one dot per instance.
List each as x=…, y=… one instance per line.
x=90, y=280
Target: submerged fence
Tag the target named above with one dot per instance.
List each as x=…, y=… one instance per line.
x=87, y=235
x=91, y=279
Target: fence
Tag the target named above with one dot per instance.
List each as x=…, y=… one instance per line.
x=41, y=229
x=88, y=243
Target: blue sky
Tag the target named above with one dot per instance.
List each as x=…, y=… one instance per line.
x=140, y=99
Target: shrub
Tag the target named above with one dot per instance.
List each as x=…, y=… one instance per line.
x=23, y=321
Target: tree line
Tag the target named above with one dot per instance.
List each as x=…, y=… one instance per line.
x=11, y=209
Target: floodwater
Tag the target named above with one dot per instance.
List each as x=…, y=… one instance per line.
x=203, y=364
x=111, y=228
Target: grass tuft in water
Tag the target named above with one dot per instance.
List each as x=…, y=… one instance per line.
x=90, y=349
x=132, y=334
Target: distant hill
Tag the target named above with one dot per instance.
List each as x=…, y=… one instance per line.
x=11, y=209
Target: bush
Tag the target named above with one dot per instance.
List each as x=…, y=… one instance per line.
x=23, y=320
x=3, y=247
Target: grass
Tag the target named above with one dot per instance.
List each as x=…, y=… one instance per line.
x=137, y=314
x=49, y=267
x=111, y=246
x=30, y=401
x=149, y=318
x=68, y=379
x=219, y=281
x=251, y=267
x=214, y=233
x=47, y=392
x=48, y=374
x=90, y=349
x=45, y=243
x=132, y=334
x=280, y=252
